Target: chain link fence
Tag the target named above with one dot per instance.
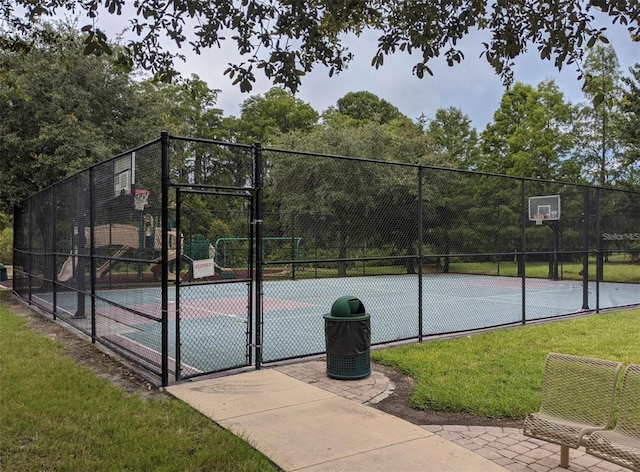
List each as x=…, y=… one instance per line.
x=88, y=249
x=192, y=256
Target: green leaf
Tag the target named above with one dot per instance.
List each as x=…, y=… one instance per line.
x=598, y=99
x=89, y=49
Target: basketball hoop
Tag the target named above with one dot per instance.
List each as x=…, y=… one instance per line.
x=539, y=218
x=140, y=199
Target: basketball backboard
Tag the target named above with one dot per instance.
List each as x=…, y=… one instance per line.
x=124, y=174
x=544, y=207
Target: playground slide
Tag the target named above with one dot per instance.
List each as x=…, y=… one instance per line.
x=66, y=272
x=106, y=267
x=126, y=236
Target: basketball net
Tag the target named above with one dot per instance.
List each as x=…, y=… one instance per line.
x=140, y=199
x=539, y=217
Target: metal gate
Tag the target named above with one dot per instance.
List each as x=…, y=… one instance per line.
x=214, y=286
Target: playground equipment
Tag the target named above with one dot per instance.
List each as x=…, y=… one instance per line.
x=199, y=248
x=124, y=237
x=68, y=267
x=66, y=272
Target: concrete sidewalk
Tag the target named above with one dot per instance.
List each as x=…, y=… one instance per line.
x=303, y=427
x=303, y=420
x=507, y=447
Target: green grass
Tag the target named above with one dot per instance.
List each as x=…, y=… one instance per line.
x=499, y=373
x=57, y=415
x=616, y=270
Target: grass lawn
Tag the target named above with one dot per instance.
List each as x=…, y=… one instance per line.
x=617, y=269
x=498, y=374
x=58, y=415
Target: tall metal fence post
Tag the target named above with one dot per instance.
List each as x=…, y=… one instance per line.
x=599, y=255
x=30, y=250
x=420, y=254
x=81, y=250
x=164, y=140
x=92, y=254
x=523, y=251
x=585, y=250
x=251, y=264
x=54, y=237
x=178, y=261
x=258, y=211
x=293, y=251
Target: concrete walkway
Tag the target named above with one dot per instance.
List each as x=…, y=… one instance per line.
x=302, y=427
x=303, y=420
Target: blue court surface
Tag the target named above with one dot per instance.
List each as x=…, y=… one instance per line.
x=214, y=328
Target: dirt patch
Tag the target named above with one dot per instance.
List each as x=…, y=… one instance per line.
x=125, y=376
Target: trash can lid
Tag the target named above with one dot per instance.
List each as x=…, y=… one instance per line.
x=1, y=265
x=347, y=307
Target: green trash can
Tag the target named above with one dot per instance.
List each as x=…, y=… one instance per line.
x=347, y=330
x=3, y=273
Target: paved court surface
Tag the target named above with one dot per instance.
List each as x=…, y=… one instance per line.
x=214, y=327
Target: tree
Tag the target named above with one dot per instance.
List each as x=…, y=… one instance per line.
x=285, y=40
x=600, y=149
x=349, y=205
x=630, y=126
x=366, y=106
x=455, y=140
x=59, y=117
x=531, y=134
x=276, y=112
x=6, y=239
x=188, y=108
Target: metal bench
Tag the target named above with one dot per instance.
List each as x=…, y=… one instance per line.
x=578, y=395
x=622, y=444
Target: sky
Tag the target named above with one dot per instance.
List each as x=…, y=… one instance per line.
x=471, y=86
